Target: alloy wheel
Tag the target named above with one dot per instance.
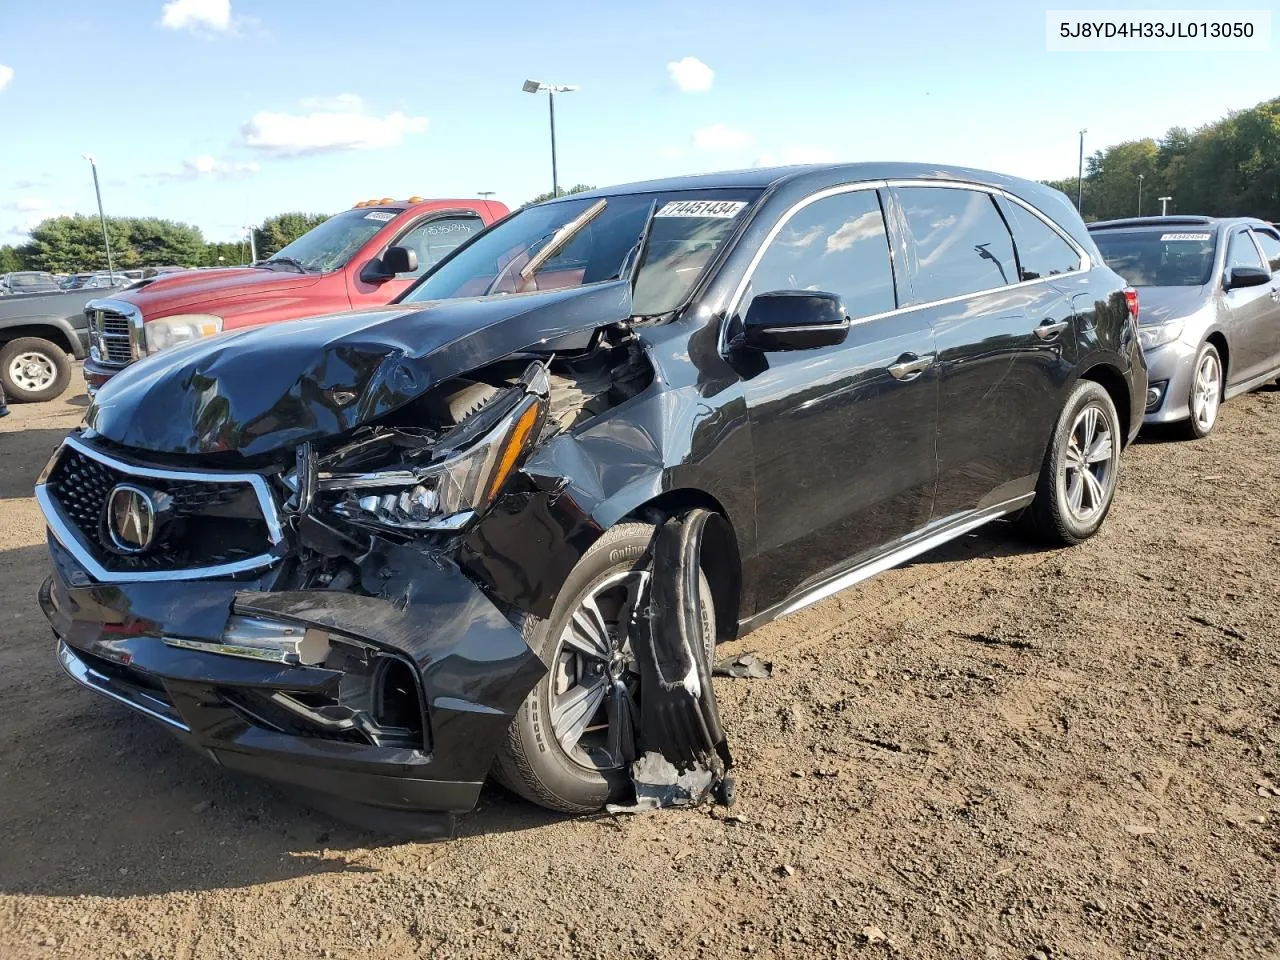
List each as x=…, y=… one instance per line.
x=595, y=680
x=32, y=371
x=1206, y=392
x=1089, y=464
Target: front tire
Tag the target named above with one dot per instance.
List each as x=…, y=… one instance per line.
x=1205, y=399
x=1078, y=477
x=560, y=748
x=33, y=369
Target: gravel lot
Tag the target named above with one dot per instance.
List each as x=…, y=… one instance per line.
x=996, y=751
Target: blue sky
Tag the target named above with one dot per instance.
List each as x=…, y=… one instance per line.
x=221, y=112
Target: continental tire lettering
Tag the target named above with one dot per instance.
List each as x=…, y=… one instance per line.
x=620, y=554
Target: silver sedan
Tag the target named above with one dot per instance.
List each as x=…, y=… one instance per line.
x=1209, y=309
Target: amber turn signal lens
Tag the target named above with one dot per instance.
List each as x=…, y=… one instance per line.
x=516, y=443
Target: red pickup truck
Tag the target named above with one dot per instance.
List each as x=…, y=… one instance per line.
x=362, y=257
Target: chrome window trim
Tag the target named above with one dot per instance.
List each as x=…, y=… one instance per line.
x=67, y=535
x=1086, y=262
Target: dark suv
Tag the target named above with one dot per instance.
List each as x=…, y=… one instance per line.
x=496, y=525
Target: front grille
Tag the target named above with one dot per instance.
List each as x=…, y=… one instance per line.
x=115, y=335
x=203, y=522
x=116, y=338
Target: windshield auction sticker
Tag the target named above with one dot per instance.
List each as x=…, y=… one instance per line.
x=717, y=209
x=1166, y=237
x=383, y=215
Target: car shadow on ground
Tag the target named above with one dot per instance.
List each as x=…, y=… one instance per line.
x=1000, y=538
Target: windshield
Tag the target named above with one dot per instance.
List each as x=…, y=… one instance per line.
x=688, y=229
x=1159, y=256
x=330, y=245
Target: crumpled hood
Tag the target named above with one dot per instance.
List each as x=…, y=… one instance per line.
x=1162, y=304
x=208, y=288
x=260, y=390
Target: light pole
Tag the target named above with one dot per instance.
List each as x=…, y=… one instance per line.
x=486, y=194
x=1080, y=177
x=253, y=245
x=111, y=270
x=1141, y=177
x=1164, y=201
x=551, y=89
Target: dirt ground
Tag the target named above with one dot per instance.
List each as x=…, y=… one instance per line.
x=996, y=751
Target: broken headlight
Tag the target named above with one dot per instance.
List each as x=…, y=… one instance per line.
x=446, y=494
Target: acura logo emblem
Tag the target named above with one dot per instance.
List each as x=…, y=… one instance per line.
x=131, y=518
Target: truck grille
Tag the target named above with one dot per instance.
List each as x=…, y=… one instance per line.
x=201, y=523
x=116, y=336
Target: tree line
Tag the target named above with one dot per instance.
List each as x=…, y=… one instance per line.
x=1223, y=169
x=74, y=244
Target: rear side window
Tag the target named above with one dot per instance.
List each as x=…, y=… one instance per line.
x=834, y=245
x=1270, y=245
x=1041, y=250
x=961, y=243
x=1242, y=252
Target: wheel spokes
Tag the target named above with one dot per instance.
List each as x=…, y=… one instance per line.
x=570, y=716
x=621, y=712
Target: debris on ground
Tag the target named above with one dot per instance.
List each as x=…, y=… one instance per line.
x=745, y=666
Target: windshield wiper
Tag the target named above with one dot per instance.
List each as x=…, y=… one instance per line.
x=561, y=238
x=290, y=261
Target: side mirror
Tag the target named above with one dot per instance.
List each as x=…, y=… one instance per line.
x=793, y=320
x=1246, y=277
x=394, y=261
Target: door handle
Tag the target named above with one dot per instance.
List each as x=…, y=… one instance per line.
x=1050, y=328
x=910, y=364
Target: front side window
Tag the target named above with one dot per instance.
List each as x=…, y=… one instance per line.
x=1041, y=250
x=1242, y=252
x=688, y=229
x=332, y=244
x=834, y=245
x=1270, y=244
x=1159, y=256
x=434, y=239
x=961, y=243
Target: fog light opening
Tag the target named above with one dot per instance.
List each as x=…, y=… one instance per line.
x=1155, y=393
x=397, y=703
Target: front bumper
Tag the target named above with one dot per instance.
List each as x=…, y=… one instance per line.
x=97, y=374
x=471, y=666
x=1172, y=367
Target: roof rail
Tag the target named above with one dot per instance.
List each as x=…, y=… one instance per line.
x=1152, y=222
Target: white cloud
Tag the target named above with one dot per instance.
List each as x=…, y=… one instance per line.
x=6, y=74
x=720, y=136
x=208, y=167
x=198, y=16
x=20, y=216
x=794, y=155
x=691, y=75
x=341, y=125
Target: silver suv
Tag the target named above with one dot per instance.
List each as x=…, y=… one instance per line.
x=1209, y=309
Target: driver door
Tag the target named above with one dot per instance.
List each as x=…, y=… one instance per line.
x=843, y=437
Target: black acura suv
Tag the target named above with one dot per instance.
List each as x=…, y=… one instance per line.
x=377, y=556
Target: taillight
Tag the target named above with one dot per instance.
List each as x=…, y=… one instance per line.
x=1131, y=298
